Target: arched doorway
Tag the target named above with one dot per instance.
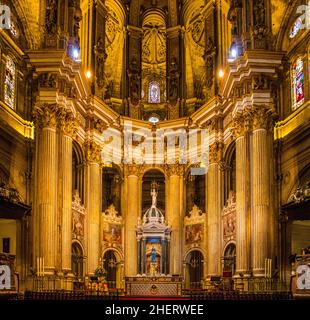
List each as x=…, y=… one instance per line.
x=77, y=260
x=111, y=263
x=194, y=270
x=229, y=265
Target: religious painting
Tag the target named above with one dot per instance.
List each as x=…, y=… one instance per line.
x=229, y=224
x=153, y=253
x=113, y=233
x=193, y=233
x=154, y=92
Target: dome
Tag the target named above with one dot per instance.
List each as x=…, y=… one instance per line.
x=153, y=214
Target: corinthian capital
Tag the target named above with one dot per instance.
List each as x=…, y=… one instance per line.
x=92, y=151
x=134, y=170
x=45, y=115
x=174, y=169
x=242, y=123
x=238, y=126
x=66, y=122
x=216, y=152
x=261, y=117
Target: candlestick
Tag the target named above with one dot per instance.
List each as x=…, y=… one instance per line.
x=41, y=267
x=270, y=268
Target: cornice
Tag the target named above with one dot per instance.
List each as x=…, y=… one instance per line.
x=8, y=40
x=251, y=63
x=16, y=122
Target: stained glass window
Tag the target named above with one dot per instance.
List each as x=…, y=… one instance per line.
x=9, y=83
x=296, y=27
x=154, y=92
x=298, y=83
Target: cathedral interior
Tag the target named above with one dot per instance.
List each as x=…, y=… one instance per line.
x=154, y=147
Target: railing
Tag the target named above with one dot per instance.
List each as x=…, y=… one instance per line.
x=70, y=295
x=235, y=295
x=52, y=283
x=62, y=288
x=267, y=285
x=195, y=285
x=242, y=289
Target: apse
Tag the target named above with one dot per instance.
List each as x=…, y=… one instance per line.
x=154, y=52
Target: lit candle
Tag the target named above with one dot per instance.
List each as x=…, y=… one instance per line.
x=270, y=269
x=43, y=267
x=265, y=268
x=38, y=267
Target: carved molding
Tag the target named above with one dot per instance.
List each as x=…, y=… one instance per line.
x=101, y=56
x=195, y=216
x=45, y=115
x=92, y=151
x=301, y=194
x=261, y=117
x=48, y=80
x=110, y=215
x=134, y=170
x=174, y=169
x=216, y=152
x=66, y=122
x=209, y=60
x=242, y=123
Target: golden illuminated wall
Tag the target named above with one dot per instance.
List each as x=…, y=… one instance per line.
x=122, y=59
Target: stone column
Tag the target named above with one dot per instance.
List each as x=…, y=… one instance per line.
x=143, y=258
x=131, y=220
x=174, y=218
x=242, y=194
x=260, y=189
x=46, y=187
x=163, y=256
x=93, y=204
x=67, y=129
x=139, y=260
x=167, y=257
x=214, y=210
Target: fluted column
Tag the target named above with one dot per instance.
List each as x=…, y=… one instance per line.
x=131, y=220
x=93, y=204
x=67, y=128
x=46, y=186
x=242, y=219
x=214, y=210
x=174, y=217
x=260, y=189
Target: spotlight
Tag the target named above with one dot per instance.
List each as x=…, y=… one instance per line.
x=76, y=54
x=233, y=53
x=221, y=73
x=88, y=74
x=153, y=119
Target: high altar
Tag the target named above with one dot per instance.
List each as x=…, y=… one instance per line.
x=153, y=239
